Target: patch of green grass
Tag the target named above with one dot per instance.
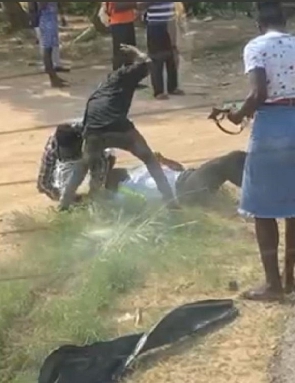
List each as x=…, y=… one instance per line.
x=95, y=258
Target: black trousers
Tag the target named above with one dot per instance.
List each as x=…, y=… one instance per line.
x=161, y=41
x=122, y=34
x=194, y=185
x=123, y=135
x=191, y=187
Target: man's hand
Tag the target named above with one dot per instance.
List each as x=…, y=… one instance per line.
x=130, y=49
x=218, y=114
x=235, y=117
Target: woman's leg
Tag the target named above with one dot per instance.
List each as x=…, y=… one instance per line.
x=267, y=233
x=49, y=39
x=290, y=255
x=56, y=82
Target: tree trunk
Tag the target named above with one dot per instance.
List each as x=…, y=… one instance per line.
x=15, y=14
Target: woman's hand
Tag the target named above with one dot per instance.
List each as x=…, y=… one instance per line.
x=236, y=117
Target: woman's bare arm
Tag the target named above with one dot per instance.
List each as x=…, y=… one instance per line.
x=257, y=96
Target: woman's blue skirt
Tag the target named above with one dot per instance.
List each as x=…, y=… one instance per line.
x=268, y=189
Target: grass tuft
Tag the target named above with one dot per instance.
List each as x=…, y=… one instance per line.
x=93, y=258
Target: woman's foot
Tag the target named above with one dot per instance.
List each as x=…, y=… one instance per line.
x=61, y=69
x=264, y=294
x=290, y=289
x=58, y=82
x=162, y=96
x=177, y=92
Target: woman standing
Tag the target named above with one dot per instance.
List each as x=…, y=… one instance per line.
x=268, y=191
x=48, y=27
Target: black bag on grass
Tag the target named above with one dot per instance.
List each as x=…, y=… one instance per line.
x=108, y=362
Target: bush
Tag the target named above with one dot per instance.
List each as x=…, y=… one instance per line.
x=80, y=8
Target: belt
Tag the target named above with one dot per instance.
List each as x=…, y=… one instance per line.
x=283, y=102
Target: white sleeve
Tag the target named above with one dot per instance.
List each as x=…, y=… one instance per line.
x=253, y=57
x=110, y=152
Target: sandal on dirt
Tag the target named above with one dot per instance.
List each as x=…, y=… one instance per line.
x=162, y=96
x=177, y=92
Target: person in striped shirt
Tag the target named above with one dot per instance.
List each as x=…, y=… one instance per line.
x=162, y=47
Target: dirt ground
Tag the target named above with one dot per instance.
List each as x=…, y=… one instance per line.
x=178, y=128
x=27, y=102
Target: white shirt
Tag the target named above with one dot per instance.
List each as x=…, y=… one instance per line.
x=275, y=52
x=141, y=182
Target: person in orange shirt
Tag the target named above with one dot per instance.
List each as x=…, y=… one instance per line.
x=121, y=18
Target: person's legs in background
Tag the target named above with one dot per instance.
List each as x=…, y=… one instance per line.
x=172, y=75
x=289, y=255
x=157, y=78
x=156, y=42
x=161, y=41
x=172, y=62
x=49, y=40
x=56, y=60
x=122, y=34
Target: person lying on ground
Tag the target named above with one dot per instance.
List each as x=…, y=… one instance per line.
x=62, y=164
x=106, y=122
x=189, y=186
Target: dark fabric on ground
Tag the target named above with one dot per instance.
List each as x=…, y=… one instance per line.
x=108, y=362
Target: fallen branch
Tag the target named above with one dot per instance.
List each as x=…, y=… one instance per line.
x=87, y=35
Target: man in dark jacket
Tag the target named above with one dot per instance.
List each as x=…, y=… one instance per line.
x=106, y=123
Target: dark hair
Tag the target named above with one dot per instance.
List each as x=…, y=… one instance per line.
x=67, y=136
x=114, y=177
x=270, y=13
